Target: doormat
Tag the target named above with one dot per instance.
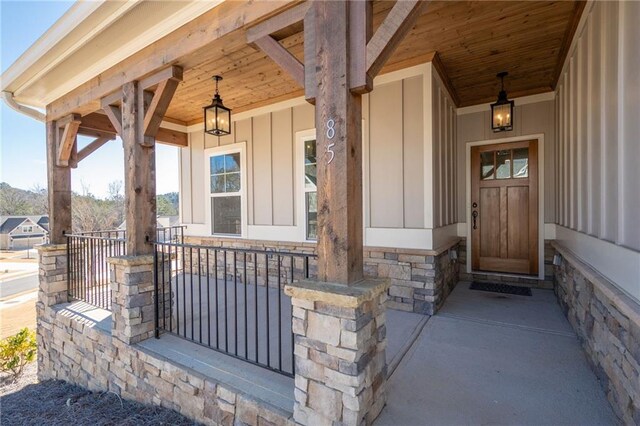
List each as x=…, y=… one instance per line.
x=501, y=288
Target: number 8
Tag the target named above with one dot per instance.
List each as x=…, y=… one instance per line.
x=331, y=131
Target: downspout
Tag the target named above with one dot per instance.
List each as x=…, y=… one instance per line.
x=33, y=113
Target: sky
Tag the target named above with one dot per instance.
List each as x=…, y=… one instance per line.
x=23, y=139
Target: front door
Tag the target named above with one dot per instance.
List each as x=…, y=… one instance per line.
x=504, y=207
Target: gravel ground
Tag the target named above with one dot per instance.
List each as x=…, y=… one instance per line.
x=54, y=402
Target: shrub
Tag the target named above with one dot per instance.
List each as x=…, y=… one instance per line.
x=17, y=351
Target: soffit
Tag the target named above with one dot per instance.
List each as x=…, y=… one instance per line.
x=474, y=39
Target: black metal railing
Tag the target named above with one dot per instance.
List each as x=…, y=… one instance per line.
x=230, y=299
x=172, y=234
x=89, y=276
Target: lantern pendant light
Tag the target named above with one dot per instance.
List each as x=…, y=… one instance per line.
x=502, y=110
x=217, y=117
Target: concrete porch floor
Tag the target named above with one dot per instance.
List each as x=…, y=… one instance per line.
x=489, y=358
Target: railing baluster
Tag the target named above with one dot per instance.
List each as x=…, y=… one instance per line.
x=184, y=294
x=157, y=298
x=267, y=310
x=279, y=319
x=255, y=301
x=208, y=302
x=246, y=332
x=235, y=300
x=200, y=292
x=215, y=259
x=226, y=305
x=193, y=337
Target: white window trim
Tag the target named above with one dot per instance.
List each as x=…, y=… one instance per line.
x=240, y=147
x=301, y=210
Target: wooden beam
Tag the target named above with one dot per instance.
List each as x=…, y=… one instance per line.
x=111, y=99
x=282, y=57
x=67, y=139
x=360, y=32
x=210, y=27
x=92, y=147
x=115, y=117
x=171, y=73
x=278, y=22
x=140, y=182
x=158, y=106
x=99, y=125
x=388, y=36
x=310, y=56
x=59, y=190
x=339, y=148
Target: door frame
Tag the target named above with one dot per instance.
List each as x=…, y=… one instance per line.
x=541, y=192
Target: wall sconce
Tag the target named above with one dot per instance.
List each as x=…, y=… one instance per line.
x=502, y=110
x=557, y=259
x=217, y=117
x=453, y=255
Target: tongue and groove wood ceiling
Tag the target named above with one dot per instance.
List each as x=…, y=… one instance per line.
x=474, y=40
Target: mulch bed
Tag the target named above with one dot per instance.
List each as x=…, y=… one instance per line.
x=54, y=402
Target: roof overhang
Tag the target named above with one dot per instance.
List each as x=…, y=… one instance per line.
x=70, y=53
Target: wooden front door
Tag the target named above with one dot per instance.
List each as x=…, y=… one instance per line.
x=504, y=207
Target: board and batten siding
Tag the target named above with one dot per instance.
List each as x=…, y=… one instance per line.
x=598, y=150
x=403, y=136
x=444, y=118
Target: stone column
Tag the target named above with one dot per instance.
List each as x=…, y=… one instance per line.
x=52, y=291
x=133, y=306
x=53, y=274
x=340, y=349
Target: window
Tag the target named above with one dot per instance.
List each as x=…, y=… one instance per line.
x=504, y=164
x=310, y=190
x=27, y=229
x=225, y=185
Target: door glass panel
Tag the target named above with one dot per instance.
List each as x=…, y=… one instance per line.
x=487, y=168
x=503, y=164
x=521, y=162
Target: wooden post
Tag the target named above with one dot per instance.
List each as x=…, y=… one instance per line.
x=140, y=173
x=59, y=184
x=339, y=149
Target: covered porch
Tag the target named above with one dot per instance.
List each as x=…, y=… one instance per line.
x=329, y=234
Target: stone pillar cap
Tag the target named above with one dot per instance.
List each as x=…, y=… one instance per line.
x=343, y=295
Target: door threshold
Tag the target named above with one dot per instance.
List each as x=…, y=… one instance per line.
x=507, y=275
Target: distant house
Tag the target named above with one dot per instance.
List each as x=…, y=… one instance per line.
x=22, y=232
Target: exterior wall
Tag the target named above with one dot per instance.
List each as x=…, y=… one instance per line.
x=607, y=322
x=420, y=280
x=597, y=105
x=409, y=125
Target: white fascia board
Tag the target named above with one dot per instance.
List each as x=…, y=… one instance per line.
x=77, y=13
x=190, y=12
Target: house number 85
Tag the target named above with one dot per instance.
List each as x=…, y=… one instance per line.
x=331, y=133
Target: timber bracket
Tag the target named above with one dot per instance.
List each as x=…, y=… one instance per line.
x=152, y=105
x=368, y=52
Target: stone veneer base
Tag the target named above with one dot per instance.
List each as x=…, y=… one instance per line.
x=607, y=322
x=75, y=350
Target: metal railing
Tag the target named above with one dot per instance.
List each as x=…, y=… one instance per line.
x=89, y=275
x=230, y=299
x=173, y=234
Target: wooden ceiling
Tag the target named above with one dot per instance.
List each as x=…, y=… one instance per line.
x=474, y=40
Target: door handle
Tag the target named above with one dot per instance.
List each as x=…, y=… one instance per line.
x=475, y=219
